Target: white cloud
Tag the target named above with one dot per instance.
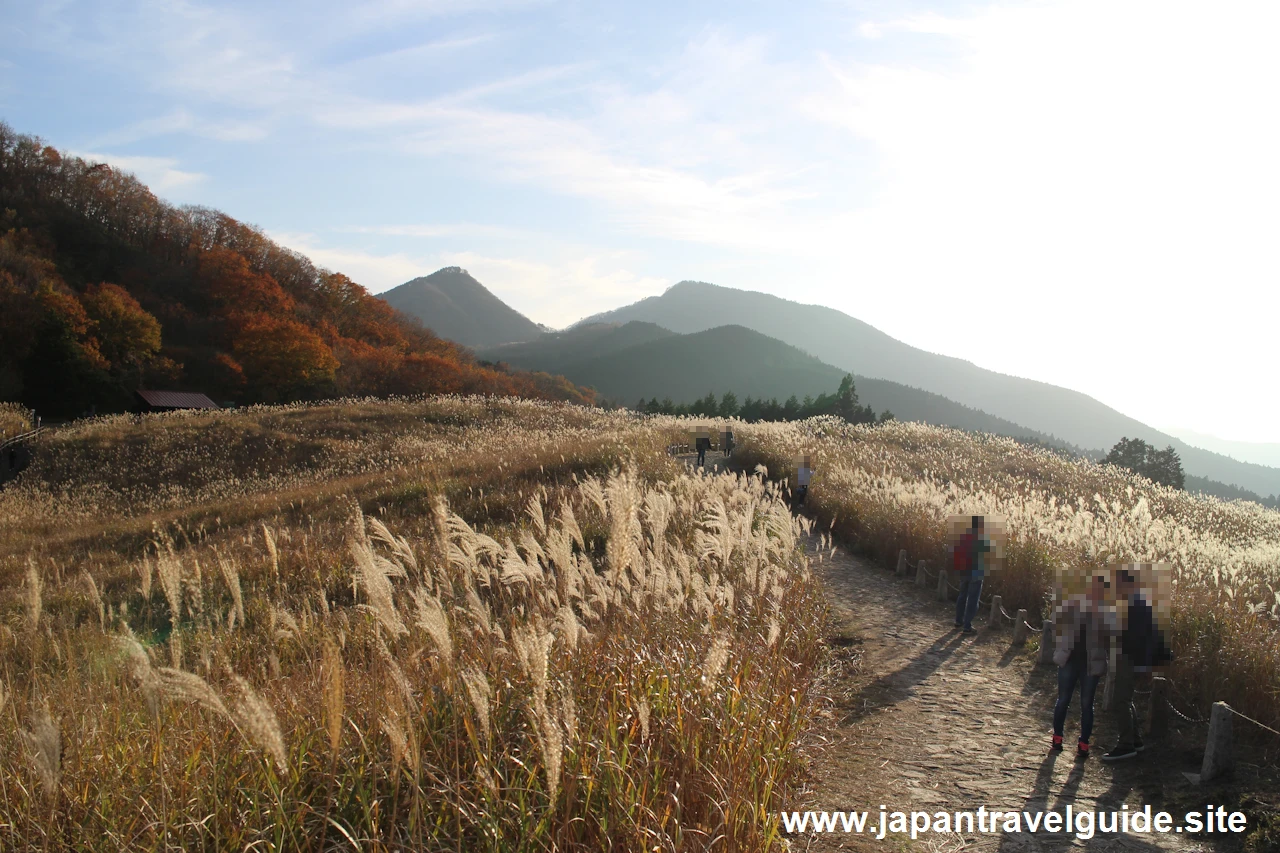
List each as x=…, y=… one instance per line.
x=460, y=229
x=160, y=174
x=376, y=272
x=182, y=121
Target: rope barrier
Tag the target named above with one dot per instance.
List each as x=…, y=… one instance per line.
x=1030, y=627
x=1252, y=720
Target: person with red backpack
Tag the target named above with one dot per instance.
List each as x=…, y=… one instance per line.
x=967, y=561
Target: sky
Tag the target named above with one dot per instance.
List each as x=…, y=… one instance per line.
x=1079, y=192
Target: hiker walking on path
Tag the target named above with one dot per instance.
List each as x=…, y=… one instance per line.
x=702, y=443
x=804, y=475
x=726, y=443
x=1084, y=625
x=1142, y=648
x=967, y=558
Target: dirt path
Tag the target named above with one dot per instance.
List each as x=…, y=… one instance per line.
x=928, y=719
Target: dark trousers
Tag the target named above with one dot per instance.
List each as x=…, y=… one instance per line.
x=702, y=456
x=1126, y=714
x=1068, y=676
x=967, y=599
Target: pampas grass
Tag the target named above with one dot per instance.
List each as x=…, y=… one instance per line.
x=477, y=626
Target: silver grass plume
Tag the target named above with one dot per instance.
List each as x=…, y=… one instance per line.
x=255, y=717
x=431, y=617
x=43, y=746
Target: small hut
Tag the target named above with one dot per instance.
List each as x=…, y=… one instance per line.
x=168, y=401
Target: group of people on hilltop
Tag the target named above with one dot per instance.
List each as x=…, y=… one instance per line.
x=1114, y=607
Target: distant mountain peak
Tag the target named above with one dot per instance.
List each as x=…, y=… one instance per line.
x=454, y=305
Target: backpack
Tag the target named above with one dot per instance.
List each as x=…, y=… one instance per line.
x=961, y=553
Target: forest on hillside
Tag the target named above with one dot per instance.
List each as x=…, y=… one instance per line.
x=105, y=289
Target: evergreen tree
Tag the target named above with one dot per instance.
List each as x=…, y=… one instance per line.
x=728, y=405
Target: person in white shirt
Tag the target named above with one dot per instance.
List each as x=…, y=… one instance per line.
x=804, y=475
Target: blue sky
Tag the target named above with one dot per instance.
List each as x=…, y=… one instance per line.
x=1081, y=192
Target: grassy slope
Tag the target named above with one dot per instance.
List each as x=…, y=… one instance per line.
x=567, y=691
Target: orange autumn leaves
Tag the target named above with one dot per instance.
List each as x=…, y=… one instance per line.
x=104, y=288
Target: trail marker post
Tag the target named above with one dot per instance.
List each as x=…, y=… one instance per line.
x=1046, y=642
x=994, y=620
x=921, y=576
x=902, y=563
x=1020, y=628
x=1217, y=750
x=942, y=585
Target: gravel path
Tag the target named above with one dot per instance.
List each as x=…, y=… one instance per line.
x=928, y=719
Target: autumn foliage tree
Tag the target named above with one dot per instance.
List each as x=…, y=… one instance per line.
x=104, y=288
x=283, y=359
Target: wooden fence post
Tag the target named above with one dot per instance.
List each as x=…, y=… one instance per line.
x=1158, y=713
x=1217, y=750
x=942, y=585
x=920, y=575
x=1020, y=627
x=902, y=563
x=1046, y=642
x=996, y=618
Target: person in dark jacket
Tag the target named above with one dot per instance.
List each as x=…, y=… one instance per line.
x=1141, y=649
x=1084, y=625
x=702, y=444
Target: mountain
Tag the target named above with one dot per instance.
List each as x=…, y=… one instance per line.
x=861, y=349
x=555, y=351
x=1260, y=453
x=637, y=359
x=458, y=308
x=105, y=290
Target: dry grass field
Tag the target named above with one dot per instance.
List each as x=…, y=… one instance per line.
x=456, y=624
x=493, y=624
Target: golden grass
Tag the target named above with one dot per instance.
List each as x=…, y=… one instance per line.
x=459, y=624
x=14, y=420
x=889, y=487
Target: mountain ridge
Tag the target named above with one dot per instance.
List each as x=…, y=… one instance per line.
x=859, y=348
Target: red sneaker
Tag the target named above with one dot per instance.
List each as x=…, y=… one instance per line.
x=1082, y=750
x=1057, y=743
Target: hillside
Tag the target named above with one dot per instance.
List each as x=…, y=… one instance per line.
x=559, y=351
x=635, y=359
x=105, y=289
x=458, y=308
x=854, y=346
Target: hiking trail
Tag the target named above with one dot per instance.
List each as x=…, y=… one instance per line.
x=928, y=719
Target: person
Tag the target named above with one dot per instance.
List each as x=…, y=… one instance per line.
x=728, y=442
x=804, y=476
x=1141, y=650
x=1084, y=627
x=973, y=544
x=702, y=444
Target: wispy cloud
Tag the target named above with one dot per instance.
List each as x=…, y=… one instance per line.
x=377, y=272
x=460, y=229
x=182, y=121
x=161, y=174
